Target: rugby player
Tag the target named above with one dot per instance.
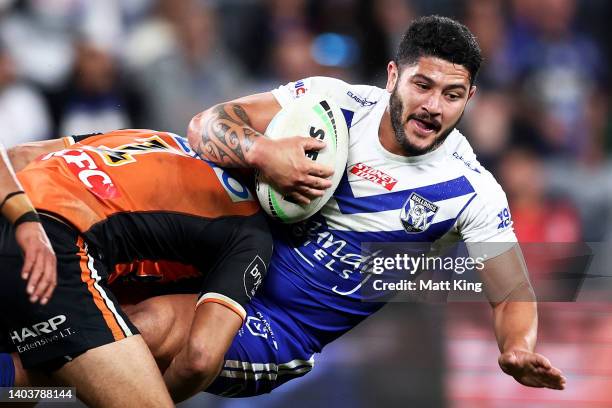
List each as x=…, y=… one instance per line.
x=406, y=137
x=116, y=204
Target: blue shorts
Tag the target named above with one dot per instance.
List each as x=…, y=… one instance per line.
x=265, y=354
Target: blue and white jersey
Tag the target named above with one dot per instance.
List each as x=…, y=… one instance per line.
x=437, y=198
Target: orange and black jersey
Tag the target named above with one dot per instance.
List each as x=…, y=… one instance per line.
x=132, y=171
x=129, y=202
x=140, y=195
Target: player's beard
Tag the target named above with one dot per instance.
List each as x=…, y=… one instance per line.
x=396, y=111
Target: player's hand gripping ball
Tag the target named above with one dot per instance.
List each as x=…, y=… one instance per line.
x=309, y=116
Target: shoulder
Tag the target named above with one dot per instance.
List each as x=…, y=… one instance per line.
x=461, y=159
x=345, y=94
x=486, y=216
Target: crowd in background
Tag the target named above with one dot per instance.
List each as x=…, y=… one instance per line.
x=541, y=119
x=80, y=66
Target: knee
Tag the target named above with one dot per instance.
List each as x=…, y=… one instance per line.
x=201, y=363
x=154, y=322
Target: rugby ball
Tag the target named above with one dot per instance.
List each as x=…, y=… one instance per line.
x=309, y=116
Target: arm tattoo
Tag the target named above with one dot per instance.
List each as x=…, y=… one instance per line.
x=227, y=136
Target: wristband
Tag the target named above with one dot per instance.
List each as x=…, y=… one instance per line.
x=15, y=205
x=30, y=216
x=9, y=195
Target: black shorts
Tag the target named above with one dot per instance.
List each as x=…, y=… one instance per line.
x=82, y=313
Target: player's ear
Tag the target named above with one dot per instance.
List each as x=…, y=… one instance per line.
x=471, y=92
x=392, y=76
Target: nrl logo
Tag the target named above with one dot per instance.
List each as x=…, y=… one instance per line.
x=417, y=213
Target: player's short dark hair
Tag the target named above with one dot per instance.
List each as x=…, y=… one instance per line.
x=441, y=37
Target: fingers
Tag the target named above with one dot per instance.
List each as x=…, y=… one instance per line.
x=297, y=198
x=295, y=175
x=35, y=280
x=28, y=264
x=319, y=170
x=40, y=272
x=552, y=380
x=547, y=375
x=48, y=282
x=297, y=195
x=316, y=183
x=309, y=193
x=313, y=144
x=34, y=274
x=531, y=369
x=542, y=361
x=42, y=281
x=39, y=266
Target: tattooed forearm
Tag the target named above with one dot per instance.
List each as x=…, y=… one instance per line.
x=226, y=135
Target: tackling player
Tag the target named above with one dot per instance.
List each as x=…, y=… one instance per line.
x=107, y=202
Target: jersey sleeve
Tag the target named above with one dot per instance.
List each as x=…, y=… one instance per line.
x=486, y=224
x=332, y=87
x=70, y=140
x=241, y=264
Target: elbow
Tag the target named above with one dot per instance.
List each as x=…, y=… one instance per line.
x=521, y=292
x=195, y=131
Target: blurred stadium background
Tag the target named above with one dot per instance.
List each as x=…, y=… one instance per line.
x=541, y=121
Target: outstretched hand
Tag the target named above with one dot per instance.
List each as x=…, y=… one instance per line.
x=531, y=369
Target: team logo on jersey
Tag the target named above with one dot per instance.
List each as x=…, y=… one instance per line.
x=120, y=155
x=417, y=213
x=374, y=175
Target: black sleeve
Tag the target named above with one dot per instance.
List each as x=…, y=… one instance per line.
x=241, y=267
x=80, y=138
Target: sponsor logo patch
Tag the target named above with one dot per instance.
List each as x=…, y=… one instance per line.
x=374, y=175
x=253, y=276
x=40, y=334
x=236, y=190
x=300, y=88
x=362, y=101
x=505, y=219
x=468, y=164
x=83, y=166
x=259, y=326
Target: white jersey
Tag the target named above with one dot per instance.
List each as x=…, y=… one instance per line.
x=437, y=198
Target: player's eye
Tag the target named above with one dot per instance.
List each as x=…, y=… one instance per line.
x=453, y=96
x=421, y=85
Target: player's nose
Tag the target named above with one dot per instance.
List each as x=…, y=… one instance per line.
x=432, y=104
